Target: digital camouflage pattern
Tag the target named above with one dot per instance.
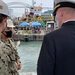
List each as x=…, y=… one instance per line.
x=8, y=58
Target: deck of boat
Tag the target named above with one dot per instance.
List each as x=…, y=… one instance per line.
x=28, y=73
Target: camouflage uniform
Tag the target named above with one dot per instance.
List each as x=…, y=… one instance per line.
x=8, y=58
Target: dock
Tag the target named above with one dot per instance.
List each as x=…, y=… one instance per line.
x=26, y=36
x=28, y=73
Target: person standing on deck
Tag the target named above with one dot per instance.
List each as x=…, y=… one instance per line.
x=57, y=55
x=7, y=39
x=5, y=49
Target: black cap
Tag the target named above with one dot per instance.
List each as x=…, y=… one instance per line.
x=63, y=4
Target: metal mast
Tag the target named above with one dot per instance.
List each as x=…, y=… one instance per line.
x=33, y=2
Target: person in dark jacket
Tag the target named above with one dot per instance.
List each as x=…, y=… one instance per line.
x=57, y=55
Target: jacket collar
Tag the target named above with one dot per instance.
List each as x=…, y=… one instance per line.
x=69, y=23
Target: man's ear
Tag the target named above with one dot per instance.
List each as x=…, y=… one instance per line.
x=61, y=12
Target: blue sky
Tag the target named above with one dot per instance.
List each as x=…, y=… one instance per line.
x=44, y=3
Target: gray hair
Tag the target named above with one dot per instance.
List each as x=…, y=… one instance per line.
x=69, y=10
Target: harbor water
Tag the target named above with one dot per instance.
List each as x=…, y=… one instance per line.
x=29, y=52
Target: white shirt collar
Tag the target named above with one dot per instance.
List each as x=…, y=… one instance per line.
x=69, y=20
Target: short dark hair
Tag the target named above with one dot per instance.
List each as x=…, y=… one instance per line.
x=2, y=16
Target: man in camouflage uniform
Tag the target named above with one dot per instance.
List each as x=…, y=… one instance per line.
x=7, y=38
x=7, y=58
x=14, y=63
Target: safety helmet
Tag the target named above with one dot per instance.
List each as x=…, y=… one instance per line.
x=4, y=8
x=10, y=23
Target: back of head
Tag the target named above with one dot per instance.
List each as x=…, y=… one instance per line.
x=63, y=3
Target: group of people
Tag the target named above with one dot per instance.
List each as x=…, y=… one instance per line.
x=57, y=54
x=9, y=59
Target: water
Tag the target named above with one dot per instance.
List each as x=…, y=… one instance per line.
x=29, y=52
